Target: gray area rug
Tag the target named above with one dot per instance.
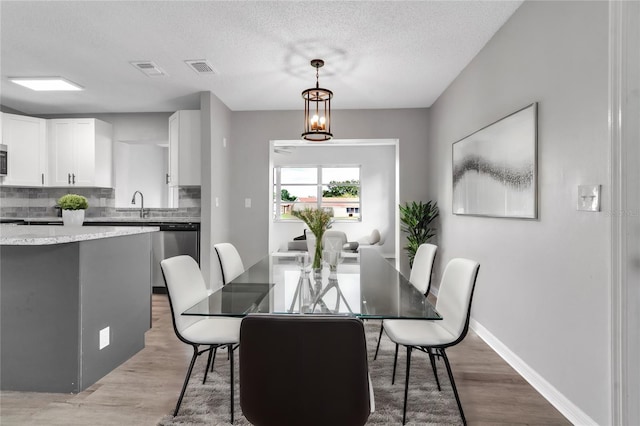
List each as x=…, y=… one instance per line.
x=208, y=404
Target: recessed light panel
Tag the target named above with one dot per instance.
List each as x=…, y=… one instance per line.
x=46, y=83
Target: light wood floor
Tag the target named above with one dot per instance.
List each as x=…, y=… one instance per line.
x=146, y=387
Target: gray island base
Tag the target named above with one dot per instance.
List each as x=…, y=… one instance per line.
x=64, y=293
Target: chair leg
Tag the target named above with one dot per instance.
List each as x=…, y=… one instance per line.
x=378, y=346
x=212, y=355
x=406, y=385
x=186, y=379
x=453, y=385
x=432, y=358
x=230, y=349
x=213, y=360
x=395, y=362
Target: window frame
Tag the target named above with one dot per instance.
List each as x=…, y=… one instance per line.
x=277, y=185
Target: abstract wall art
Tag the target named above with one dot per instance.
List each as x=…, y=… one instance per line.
x=495, y=168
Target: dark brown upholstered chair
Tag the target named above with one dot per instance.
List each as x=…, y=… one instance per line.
x=304, y=370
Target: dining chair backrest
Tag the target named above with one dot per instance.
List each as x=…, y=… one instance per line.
x=422, y=266
x=303, y=369
x=230, y=262
x=185, y=287
x=455, y=296
x=337, y=235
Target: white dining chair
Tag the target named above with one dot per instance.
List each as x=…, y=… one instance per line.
x=230, y=262
x=420, y=277
x=186, y=287
x=433, y=337
x=339, y=236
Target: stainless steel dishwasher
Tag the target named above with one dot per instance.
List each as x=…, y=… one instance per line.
x=173, y=239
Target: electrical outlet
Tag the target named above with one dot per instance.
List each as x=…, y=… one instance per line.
x=217, y=202
x=247, y=202
x=224, y=142
x=104, y=338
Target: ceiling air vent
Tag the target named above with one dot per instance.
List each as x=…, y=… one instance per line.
x=149, y=68
x=201, y=66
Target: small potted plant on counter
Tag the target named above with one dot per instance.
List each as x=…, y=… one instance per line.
x=73, y=207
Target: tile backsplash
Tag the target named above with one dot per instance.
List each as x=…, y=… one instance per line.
x=41, y=202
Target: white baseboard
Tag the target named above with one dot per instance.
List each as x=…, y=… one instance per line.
x=574, y=414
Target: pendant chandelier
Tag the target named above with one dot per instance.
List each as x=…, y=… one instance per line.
x=317, y=110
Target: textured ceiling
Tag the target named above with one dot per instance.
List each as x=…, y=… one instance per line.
x=378, y=54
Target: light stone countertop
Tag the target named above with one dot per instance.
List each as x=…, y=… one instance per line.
x=118, y=219
x=39, y=235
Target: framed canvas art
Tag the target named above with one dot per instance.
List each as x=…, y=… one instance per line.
x=495, y=168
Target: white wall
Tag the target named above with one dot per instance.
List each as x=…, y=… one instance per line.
x=140, y=167
x=543, y=286
x=625, y=209
x=377, y=177
x=121, y=167
x=251, y=132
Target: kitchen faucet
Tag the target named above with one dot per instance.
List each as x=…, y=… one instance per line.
x=133, y=201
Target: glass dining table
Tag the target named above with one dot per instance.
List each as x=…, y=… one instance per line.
x=367, y=286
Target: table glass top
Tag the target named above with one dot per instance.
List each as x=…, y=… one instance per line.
x=367, y=286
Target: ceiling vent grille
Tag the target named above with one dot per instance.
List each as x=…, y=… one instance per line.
x=149, y=68
x=201, y=66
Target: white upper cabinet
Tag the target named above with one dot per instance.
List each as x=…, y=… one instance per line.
x=26, y=139
x=80, y=152
x=184, y=149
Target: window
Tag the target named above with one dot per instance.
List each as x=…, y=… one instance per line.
x=337, y=188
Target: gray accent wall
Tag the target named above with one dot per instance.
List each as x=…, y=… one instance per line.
x=216, y=184
x=543, y=286
x=251, y=132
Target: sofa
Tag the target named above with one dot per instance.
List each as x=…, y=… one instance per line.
x=300, y=243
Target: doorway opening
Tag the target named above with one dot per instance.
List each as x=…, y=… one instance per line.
x=374, y=208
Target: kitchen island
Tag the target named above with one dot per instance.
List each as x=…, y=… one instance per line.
x=75, y=303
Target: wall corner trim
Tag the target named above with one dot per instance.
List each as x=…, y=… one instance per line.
x=574, y=414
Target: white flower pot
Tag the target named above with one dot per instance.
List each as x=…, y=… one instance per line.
x=72, y=217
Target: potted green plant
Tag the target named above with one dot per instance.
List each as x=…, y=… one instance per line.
x=73, y=207
x=416, y=221
x=318, y=220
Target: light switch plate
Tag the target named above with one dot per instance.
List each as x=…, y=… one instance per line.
x=247, y=202
x=589, y=198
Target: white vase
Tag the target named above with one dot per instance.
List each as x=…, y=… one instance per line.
x=72, y=217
